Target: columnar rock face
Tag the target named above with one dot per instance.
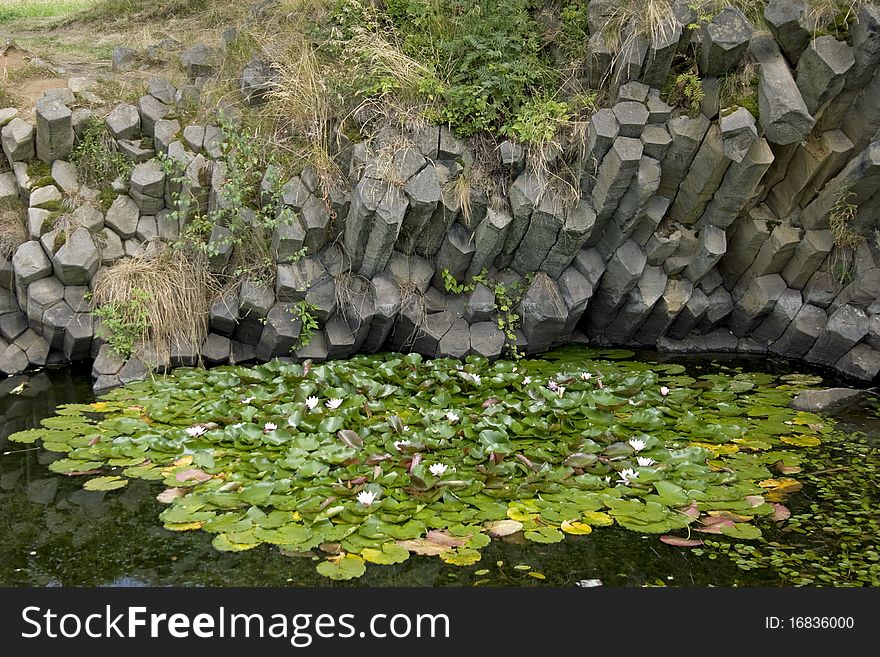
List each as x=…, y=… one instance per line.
x=717, y=230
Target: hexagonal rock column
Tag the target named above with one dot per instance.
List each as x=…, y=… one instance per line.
x=387, y=300
x=787, y=20
x=739, y=186
x=454, y=255
x=543, y=312
x=664, y=45
x=489, y=238
x=123, y=216
x=367, y=196
x=524, y=195
x=280, y=332
x=690, y=316
x=78, y=259
x=580, y=220
x=858, y=179
x=124, y=122
x=638, y=305
x=576, y=291
x=703, y=178
x=623, y=271
x=687, y=135
x=865, y=33
x=147, y=187
x=783, y=113
x=54, y=131
x=424, y=193
x=711, y=246
x=777, y=321
x=615, y=173
x=200, y=61
x=801, y=334
x=757, y=300
x=861, y=362
x=844, y=329
x=546, y=222
x=18, y=141
x=724, y=42
x=667, y=308
x=821, y=72
x=773, y=255
x=808, y=256
x=30, y=263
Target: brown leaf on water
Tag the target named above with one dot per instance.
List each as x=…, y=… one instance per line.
x=499, y=528
x=780, y=512
x=193, y=474
x=679, y=541
x=434, y=543
x=781, y=468
x=168, y=495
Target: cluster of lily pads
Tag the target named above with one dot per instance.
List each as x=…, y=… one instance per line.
x=376, y=458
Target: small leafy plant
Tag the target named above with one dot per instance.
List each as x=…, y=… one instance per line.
x=123, y=324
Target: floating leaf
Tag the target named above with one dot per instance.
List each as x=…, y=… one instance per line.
x=801, y=440
x=499, y=528
x=576, y=528
x=105, y=483
x=780, y=512
x=343, y=567
x=678, y=541
x=350, y=438
x=389, y=554
x=168, y=495
x=544, y=535
x=461, y=557
x=193, y=474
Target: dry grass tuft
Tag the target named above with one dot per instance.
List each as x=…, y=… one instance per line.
x=176, y=290
x=13, y=232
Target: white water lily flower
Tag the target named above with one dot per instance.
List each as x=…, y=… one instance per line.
x=560, y=390
x=291, y=421
x=637, y=444
x=645, y=461
x=452, y=417
x=552, y=385
x=632, y=402
x=366, y=498
x=664, y=390
x=586, y=376
x=477, y=378
x=247, y=400
x=312, y=402
x=334, y=403
x=438, y=469
x=401, y=443
x=527, y=380
x=626, y=475
x=196, y=431
x=270, y=426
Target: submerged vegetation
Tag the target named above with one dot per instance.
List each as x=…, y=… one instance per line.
x=376, y=458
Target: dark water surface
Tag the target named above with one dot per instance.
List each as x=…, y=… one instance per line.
x=54, y=533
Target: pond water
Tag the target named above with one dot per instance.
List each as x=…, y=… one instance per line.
x=53, y=532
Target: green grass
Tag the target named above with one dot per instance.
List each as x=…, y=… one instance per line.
x=12, y=10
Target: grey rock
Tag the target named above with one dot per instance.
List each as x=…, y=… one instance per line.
x=774, y=254
x=254, y=299
x=78, y=259
x=107, y=362
x=787, y=20
x=18, y=141
x=705, y=176
x=55, y=322
x=30, y=263
x=687, y=136
x=65, y=177
x=599, y=58
x=667, y=308
x=456, y=342
x=591, y=265
x=423, y=192
x=690, y=316
x=724, y=42
x=78, y=336
x=624, y=269
x=844, y=329
x=12, y=325
x=13, y=360
x=865, y=33
x=387, y=302
x=164, y=133
x=810, y=253
x=821, y=72
x=543, y=312
x=656, y=141
x=124, y=59
x=340, y=338
x=579, y=223
x=757, y=300
x=223, y=316
x=293, y=280
x=151, y=111
x=316, y=223
x=54, y=131
x=615, y=173
x=826, y=401
x=323, y=298
x=480, y=304
x=631, y=118
x=664, y=45
x=258, y=79
x=784, y=116
x=110, y=246
x=487, y=340
x=194, y=137
x=200, y=61
x=367, y=196
x=454, y=255
x=524, y=195
x=383, y=233
x=281, y=332
x=123, y=216
x=576, y=292
x=777, y=321
x=148, y=179
x=738, y=132
x=801, y=334
x=740, y=184
x=48, y=195
x=124, y=122
x=148, y=228
x=711, y=246
x=215, y=350
x=860, y=362
x=638, y=305
x=543, y=231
